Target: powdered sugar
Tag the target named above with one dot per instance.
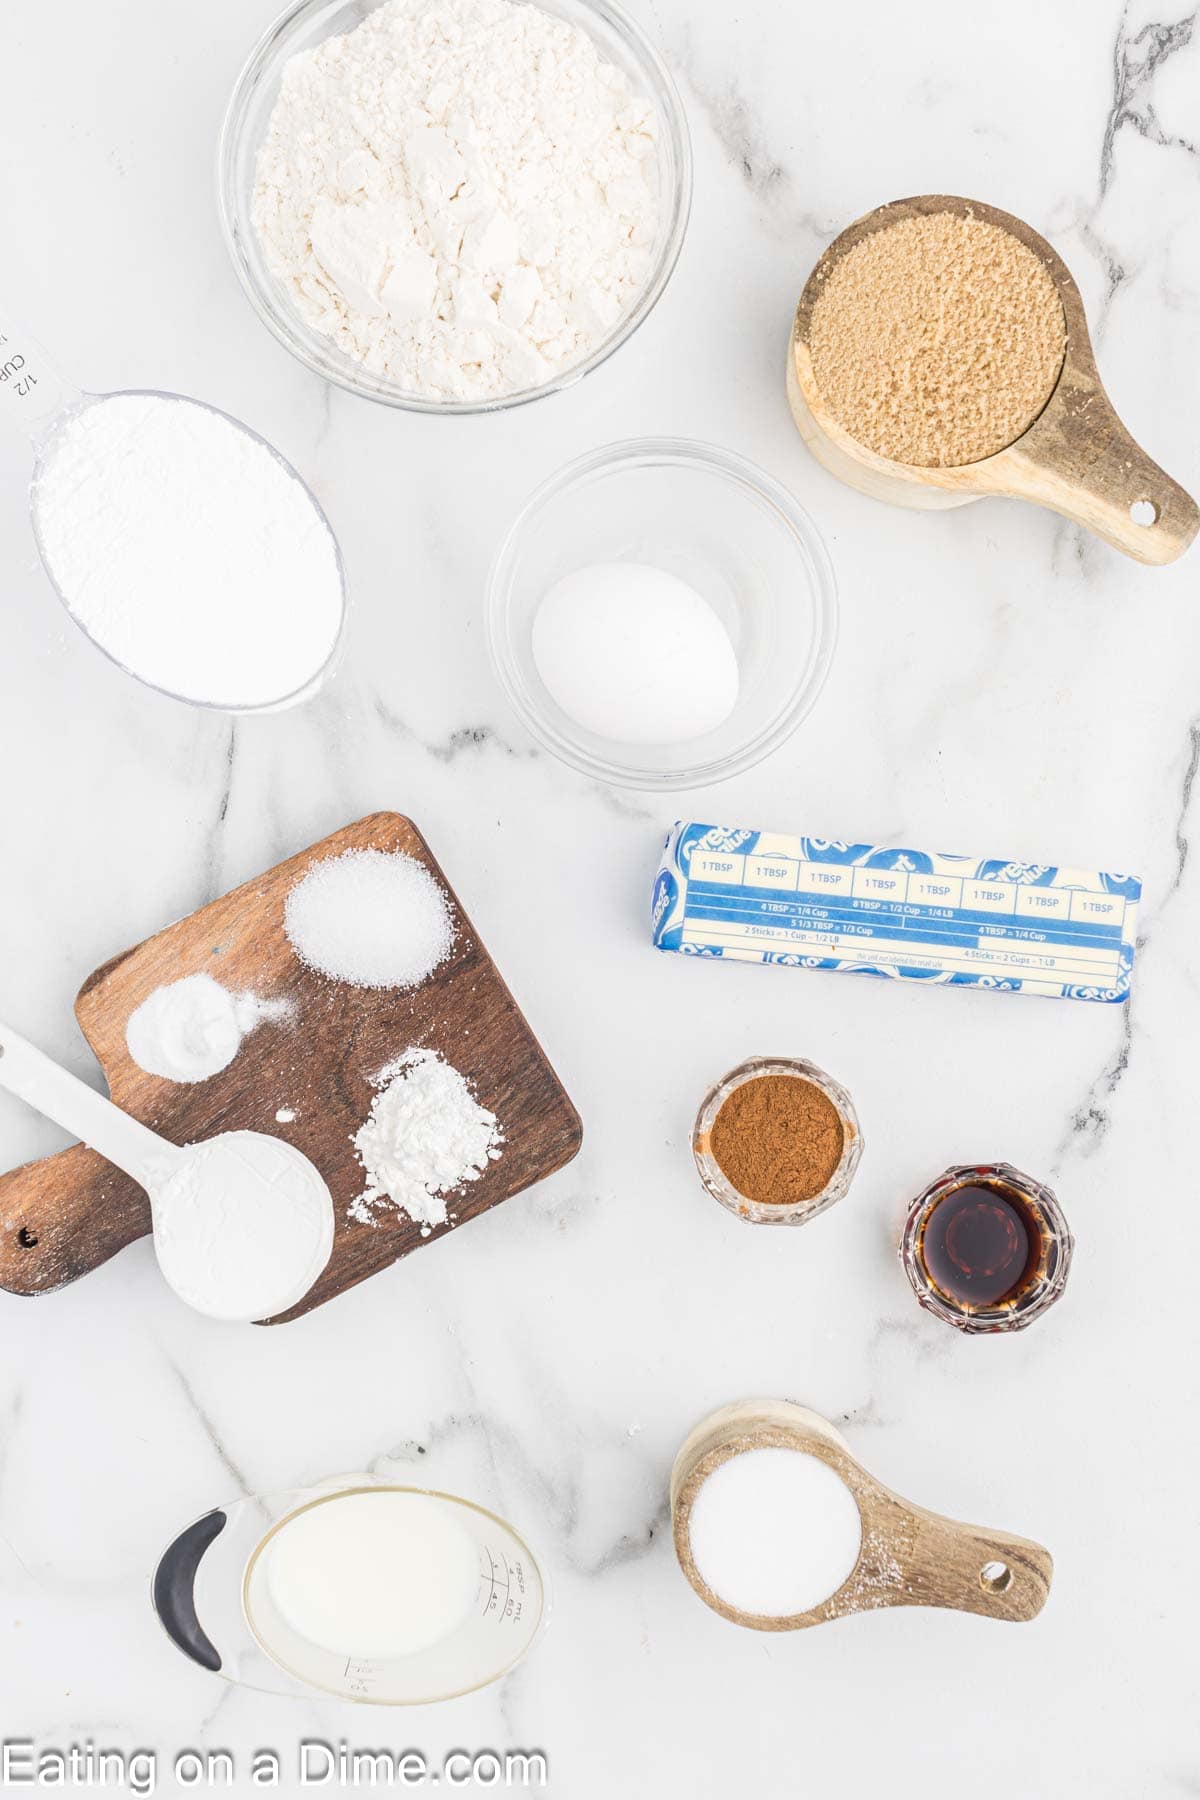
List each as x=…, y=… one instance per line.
x=371, y=918
x=189, y=551
x=462, y=194
x=426, y=1137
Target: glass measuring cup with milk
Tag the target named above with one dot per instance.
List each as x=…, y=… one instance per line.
x=358, y=1588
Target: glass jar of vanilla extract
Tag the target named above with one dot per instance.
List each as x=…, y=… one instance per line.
x=986, y=1248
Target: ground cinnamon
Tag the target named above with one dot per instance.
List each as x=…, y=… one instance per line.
x=778, y=1139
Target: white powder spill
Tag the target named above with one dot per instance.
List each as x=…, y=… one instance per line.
x=426, y=1136
x=191, y=1029
x=462, y=194
x=374, y=1575
x=774, y=1532
x=370, y=918
x=188, y=550
x=243, y=1227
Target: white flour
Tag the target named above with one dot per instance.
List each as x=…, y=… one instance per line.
x=373, y=918
x=426, y=1137
x=243, y=1227
x=460, y=193
x=191, y=1029
x=189, y=551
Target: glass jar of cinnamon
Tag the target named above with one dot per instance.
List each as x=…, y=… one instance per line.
x=777, y=1141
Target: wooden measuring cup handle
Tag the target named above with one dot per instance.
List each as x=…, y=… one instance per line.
x=64, y=1216
x=1079, y=460
x=973, y=1569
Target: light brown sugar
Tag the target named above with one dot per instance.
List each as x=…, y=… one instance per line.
x=938, y=340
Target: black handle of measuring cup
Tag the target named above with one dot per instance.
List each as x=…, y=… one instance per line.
x=174, y=1590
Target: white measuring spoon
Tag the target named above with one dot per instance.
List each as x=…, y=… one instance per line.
x=243, y=1222
x=42, y=401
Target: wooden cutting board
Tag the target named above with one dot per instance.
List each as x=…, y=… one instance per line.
x=67, y=1214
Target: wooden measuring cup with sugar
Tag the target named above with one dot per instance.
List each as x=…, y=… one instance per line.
x=1074, y=455
x=908, y=1556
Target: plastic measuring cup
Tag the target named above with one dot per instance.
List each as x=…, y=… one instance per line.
x=213, y=1596
x=42, y=401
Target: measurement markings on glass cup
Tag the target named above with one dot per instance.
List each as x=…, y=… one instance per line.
x=511, y=1586
x=11, y=369
x=360, y=1677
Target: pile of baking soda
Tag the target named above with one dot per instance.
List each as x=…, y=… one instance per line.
x=462, y=194
x=191, y=1029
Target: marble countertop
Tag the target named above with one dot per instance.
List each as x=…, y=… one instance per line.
x=1003, y=684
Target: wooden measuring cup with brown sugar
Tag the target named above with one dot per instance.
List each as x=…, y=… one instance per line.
x=907, y=1556
x=1069, y=452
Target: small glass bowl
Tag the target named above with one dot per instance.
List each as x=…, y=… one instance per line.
x=756, y=1211
x=720, y=524
x=1055, y=1250
x=308, y=23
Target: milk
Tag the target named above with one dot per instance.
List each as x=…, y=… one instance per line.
x=374, y=1575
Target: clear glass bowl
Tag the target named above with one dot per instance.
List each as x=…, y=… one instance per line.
x=306, y=24
x=720, y=524
x=756, y=1211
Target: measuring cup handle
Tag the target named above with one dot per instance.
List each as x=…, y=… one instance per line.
x=32, y=392
x=174, y=1590
x=1079, y=460
x=971, y=1568
x=60, y=1096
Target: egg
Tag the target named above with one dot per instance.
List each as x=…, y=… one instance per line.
x=634, y=654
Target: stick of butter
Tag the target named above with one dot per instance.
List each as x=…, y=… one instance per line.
x=913, y=915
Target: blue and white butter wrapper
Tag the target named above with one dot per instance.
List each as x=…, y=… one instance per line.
x=909, y=915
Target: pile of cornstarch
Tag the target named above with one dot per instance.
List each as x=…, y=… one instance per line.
x=372, y=918
x=462, y=194
x=189, y=551
x=938, y=340
x=426, y=1137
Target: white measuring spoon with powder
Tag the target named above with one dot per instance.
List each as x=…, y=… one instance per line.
x=243, y=1222
x=180, y=542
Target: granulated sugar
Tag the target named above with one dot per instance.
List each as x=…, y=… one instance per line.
x=372, y=918
x=938, y=340
x=426, y=1136
x=774, y=1532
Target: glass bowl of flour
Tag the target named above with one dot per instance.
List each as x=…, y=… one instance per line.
x=454, y=206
